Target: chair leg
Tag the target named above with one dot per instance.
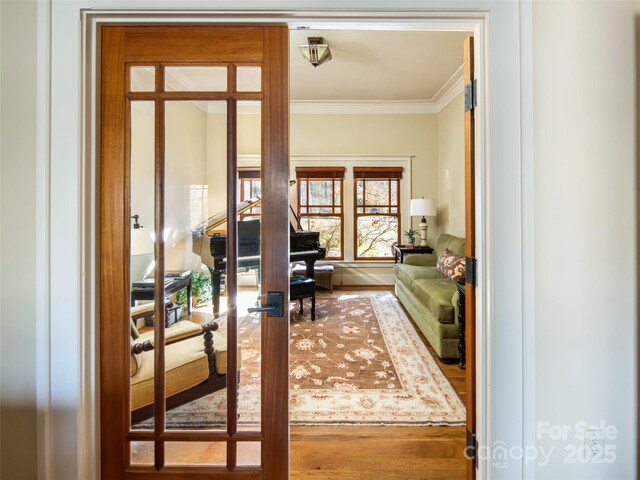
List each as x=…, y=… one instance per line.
x=313, y=307
x=301, y=307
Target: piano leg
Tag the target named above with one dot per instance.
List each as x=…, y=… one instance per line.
x=216, y=280
x=310, y=266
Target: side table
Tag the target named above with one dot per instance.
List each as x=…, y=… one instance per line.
x=146, y=291
x=402, y=250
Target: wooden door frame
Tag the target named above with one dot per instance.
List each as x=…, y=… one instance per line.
x=468, y=21
x=470, y=252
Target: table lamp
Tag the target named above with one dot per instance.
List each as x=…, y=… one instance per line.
x=422, y=207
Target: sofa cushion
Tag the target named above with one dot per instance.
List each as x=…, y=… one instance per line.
x=186, y=365
x=451, y=265
x=446, y=241
x=423, y=260
x=220, y=352
x=408, y=273
x=423, y=317
x=436, y=295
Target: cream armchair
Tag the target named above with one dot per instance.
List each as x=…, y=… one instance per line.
x=193, y=366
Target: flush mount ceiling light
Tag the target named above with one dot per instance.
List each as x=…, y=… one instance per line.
x=316, y=52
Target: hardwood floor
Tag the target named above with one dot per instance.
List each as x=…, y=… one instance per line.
x=355, y=452
x=377, y=453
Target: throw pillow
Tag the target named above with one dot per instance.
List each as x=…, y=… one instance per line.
x=451, y=265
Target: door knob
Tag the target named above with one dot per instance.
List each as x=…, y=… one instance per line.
x=274, y=306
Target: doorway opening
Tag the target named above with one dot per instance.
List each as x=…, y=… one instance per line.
x=375, y=131
x=390, y=205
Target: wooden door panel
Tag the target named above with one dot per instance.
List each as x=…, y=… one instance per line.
x=114, y=255
x=266, y=47
x=275, y=181
x=211, y=44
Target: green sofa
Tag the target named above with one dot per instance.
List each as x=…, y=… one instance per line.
x=430, y=298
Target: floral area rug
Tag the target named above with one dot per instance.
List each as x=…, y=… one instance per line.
x=360, y=363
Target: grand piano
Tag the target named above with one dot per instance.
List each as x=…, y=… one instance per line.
x=304, y=246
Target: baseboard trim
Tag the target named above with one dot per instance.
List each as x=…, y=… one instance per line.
x=363, y=287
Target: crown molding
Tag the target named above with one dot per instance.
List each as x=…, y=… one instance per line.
x=253, y=159
x=450, y=89
x=453, y=87
x=364, y=107
x=330, y=107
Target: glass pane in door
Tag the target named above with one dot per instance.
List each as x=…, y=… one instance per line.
x=142, y=453
x=249, y=453
x=142, y=79
x=195, y=190
x=142, y=262
x=249, y=263
x=248, y=79
x=195, y=79
x=196, y=453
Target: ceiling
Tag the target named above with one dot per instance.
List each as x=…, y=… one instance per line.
x=376, y=65
x=366, y=66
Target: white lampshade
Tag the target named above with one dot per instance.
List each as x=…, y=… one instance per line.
x=422, y=207
x=141, y=241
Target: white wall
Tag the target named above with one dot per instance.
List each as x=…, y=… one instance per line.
x=217, y=161
x=585, y=146
x=19, y=233
x=415, y=135
x=365, y=135
x=186, y=170
x=450, y=200
x=186, y=166
x=352, y=134
x=142, y=162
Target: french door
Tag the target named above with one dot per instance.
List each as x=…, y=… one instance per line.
x=174, y=404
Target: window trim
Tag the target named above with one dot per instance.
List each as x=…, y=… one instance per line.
x=391, y=174
x=350, y=161
x=332, y=174
x=248, y=174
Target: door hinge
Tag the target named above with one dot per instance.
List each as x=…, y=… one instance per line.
x=471, y=271
x=470, y=96
x=472, y=447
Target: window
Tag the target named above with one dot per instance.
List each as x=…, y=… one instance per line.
x=198, y=203
x=376, y=211
x=320, y=205
x=249, y=188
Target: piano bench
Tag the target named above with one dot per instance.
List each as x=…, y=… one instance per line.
x=322, y=274
x=301, y=288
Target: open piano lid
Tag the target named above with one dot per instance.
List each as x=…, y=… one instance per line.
x=220, y=218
